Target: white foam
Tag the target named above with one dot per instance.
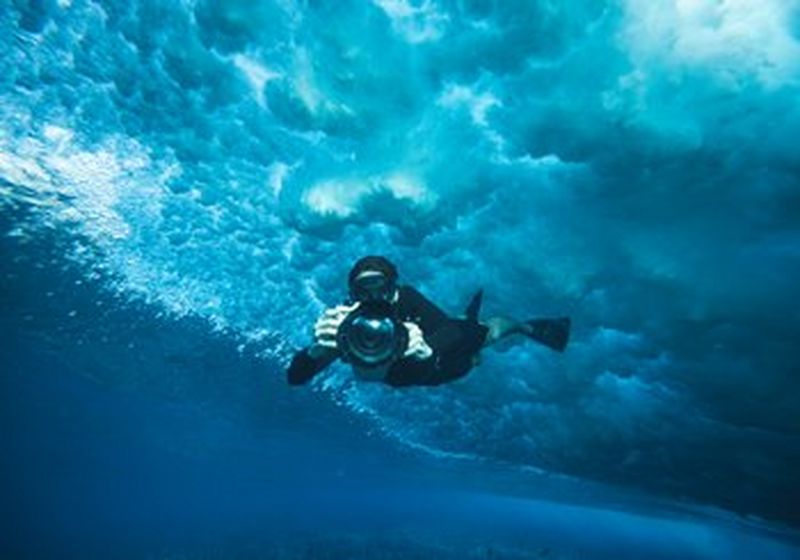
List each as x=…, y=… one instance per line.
x=416, y=24
x=732, y=40
x=405, y=186
x=276, y=175
x=342, y=198
x=337, y=198
x=257, y=75
x=305, y=82
x=478, y=104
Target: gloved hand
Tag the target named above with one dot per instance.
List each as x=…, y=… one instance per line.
x=327, y=325
x=417, y=347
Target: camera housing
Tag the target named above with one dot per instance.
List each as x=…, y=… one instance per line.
x=372, y=336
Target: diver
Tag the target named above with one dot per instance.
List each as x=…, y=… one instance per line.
x=389, y=332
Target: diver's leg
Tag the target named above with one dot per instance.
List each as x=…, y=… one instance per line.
x=500, y=328
x=553, y=333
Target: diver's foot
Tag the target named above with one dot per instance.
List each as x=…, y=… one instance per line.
x=553, y=333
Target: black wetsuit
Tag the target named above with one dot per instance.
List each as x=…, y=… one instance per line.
x=454, y=342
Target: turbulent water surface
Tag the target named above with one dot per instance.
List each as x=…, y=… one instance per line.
x=185, y=185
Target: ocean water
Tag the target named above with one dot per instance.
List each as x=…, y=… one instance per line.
x=185, y=184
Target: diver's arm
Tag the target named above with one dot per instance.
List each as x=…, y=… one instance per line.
x=308, y=362
x=312, y=360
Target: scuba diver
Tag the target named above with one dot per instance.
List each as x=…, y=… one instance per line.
x=389, y=332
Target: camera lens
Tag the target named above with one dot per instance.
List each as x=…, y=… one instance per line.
x=372, y=339
x=371, y=336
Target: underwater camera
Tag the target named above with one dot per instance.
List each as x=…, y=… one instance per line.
x=372, y=336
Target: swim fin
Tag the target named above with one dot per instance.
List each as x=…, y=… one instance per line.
x=474, y=307
x=553, y=333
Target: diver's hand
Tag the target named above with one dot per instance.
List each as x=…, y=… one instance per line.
x=327, y=325
x=417, y=347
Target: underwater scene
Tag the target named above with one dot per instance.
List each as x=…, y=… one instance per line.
x=186, y=186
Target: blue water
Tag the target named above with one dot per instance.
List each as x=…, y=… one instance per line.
x=184, y=186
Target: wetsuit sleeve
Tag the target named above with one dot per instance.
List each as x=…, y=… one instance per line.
x=305, y=365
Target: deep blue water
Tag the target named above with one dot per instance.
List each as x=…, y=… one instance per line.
x=184, y=185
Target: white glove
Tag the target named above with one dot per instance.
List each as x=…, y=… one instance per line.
x=417, y=347
x=327, y=325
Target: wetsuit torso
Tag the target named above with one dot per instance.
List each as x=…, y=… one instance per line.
x=454, y=342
